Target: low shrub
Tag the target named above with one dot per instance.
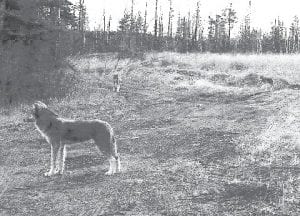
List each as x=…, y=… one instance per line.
x=238, y=66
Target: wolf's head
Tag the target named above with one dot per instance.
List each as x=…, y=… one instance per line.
x=40, y=110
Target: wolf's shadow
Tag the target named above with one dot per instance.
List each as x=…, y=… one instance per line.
x=84, y=161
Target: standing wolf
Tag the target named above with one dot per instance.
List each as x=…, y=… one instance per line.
x=117, y=82
x=57, y=131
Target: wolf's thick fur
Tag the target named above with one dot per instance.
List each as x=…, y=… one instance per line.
x=59, y=131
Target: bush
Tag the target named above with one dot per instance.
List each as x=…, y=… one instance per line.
x=238, y=66
x=166, y=63
x=208, y=66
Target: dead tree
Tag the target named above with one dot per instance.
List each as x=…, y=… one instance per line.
x=145, y=20
x=196, y=23
x=170, y=20
x=156, y=19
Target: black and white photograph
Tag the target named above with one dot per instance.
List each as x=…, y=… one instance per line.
x=150, y=107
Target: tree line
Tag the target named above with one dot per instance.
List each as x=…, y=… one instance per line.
x=183, y=33
x=187, y=35
x=36, y=35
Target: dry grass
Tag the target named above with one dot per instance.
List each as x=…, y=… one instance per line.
x=276, y=66
x=198, y=134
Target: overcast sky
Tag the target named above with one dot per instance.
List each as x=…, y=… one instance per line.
x=263, y=11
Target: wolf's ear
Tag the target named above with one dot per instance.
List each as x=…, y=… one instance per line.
x=35, y=106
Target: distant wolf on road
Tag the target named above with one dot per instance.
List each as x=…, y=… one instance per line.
x=117, y=82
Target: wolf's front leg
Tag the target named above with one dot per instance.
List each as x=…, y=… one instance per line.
x=54, y=152
x=61, y=159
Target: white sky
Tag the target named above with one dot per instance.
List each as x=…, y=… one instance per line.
x=263, y=11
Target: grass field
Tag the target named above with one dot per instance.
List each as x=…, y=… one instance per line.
x=199, y=134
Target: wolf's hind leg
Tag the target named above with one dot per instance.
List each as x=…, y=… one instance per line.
x=112, y=166
x=118, y=164
x=114, y=153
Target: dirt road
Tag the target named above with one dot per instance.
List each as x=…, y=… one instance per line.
x=191, y=143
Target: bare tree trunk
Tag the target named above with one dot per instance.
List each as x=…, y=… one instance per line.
x=80, y=15
x=189, y=25
x=156, y=19
x=108, y=30
x=197, y=22
x=104, y=28
x=170, y=20
x=145, y=20
x=81, y=21
x=229, y=25
x=131, y=32
x=160, y=25
x=131, y=16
